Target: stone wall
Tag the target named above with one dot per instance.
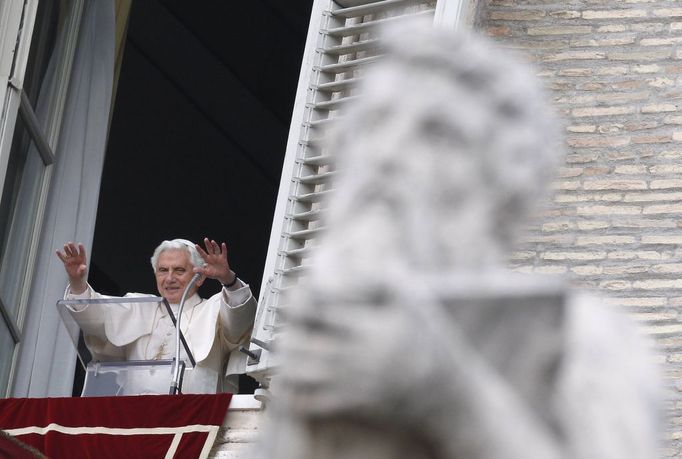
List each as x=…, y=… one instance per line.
x=238, y=434
x=614, y=71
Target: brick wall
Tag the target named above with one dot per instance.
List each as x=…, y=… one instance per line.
x=614, y=69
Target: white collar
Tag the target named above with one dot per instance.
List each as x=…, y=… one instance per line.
x=190, y=303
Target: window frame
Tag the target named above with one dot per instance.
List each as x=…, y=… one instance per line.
x=17, y=20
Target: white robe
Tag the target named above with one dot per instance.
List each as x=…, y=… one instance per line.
x=214, y=330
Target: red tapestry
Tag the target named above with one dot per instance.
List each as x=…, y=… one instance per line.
x=144, y=426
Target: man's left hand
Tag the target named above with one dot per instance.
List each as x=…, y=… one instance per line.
x=215, y=262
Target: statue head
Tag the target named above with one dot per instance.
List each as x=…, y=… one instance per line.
x=441, y=161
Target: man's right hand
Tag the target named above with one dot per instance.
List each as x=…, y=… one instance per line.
x=76, y=266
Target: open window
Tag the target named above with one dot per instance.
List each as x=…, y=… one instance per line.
x=36, y=81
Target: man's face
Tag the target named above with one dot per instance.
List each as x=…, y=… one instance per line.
x=173, y=273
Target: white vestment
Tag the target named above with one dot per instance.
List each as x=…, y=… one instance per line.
x=213, y=328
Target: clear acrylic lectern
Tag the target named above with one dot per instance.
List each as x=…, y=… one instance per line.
x=107, y=372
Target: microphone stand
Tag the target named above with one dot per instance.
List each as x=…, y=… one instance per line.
x=175, y=383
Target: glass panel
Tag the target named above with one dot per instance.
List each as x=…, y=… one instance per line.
x=47, y=31
x=134, y=377
x=6, y=354
x=18, y=213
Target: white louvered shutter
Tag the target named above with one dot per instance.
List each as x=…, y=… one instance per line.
x=342, y=41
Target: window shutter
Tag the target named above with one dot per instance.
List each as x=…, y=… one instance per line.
x=342, y=41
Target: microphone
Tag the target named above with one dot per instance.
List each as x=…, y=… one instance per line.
x=175, y=383
x=194, y=280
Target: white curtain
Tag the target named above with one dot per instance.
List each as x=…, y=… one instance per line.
x=47, y=358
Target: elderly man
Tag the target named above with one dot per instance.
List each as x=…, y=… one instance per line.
x=214, y=328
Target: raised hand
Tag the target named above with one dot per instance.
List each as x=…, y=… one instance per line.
x=75, y=262
x=216, y=265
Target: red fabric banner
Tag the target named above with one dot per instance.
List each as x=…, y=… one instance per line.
x=144, y=426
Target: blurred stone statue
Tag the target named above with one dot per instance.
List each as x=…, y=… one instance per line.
x=410, y=339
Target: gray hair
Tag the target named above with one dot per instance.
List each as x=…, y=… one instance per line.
x=178, y=244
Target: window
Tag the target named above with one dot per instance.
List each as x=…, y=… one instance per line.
x=36, y=86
